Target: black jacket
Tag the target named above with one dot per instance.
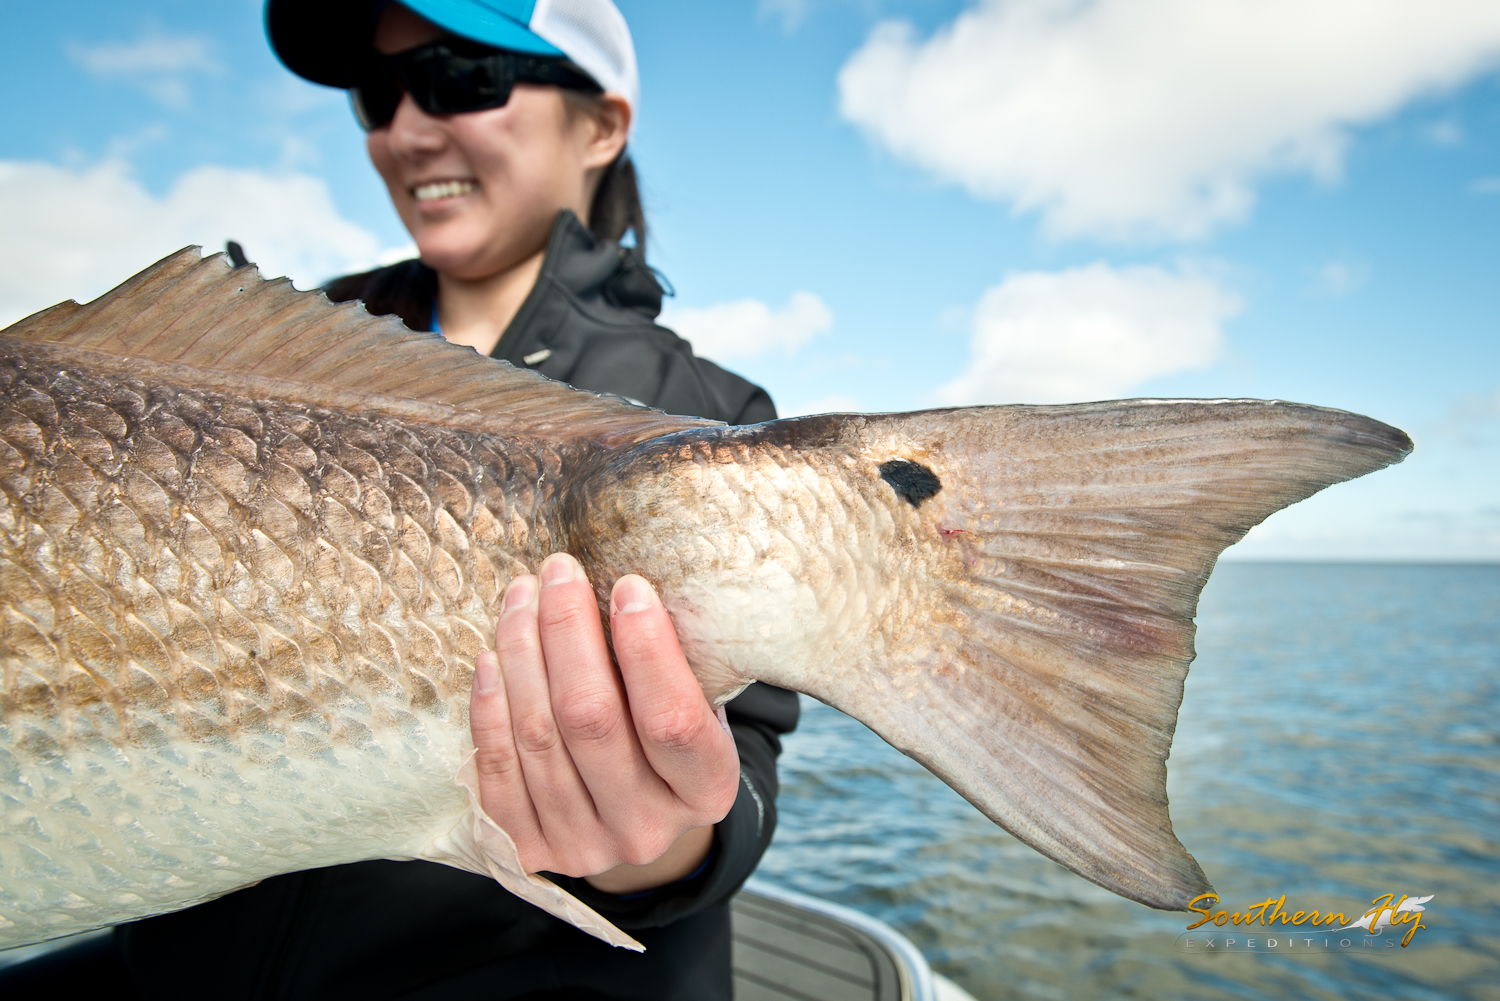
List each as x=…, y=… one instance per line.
x=377, y=930
x=589, y=322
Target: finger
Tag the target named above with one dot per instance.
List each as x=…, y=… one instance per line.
x=679, y=732
x=502, y=782
x=588, y=700
x=554, y=791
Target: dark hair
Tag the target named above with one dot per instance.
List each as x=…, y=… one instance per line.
x=617, y=204
x=616, y=208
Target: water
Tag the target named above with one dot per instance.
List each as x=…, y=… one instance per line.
x=1338, y=740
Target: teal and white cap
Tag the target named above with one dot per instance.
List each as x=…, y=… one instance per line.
x=325, y=41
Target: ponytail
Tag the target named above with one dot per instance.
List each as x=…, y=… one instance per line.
x=616, y=208
x=617, y=204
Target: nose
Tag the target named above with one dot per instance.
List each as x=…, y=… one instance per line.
x=414, y=133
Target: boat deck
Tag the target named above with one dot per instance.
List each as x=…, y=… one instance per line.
x=787, y=953
x=792, y=947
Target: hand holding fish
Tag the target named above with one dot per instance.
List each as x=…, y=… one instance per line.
x=253, y=540
x=614, y=775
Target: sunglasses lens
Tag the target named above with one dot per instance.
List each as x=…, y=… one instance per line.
x=447, y=83
x=441, y=80
x=374, y=101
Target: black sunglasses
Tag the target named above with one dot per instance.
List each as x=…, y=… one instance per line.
x=452, y=76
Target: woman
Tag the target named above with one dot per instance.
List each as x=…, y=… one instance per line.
x=500, y=128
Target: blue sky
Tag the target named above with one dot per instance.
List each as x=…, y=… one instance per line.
x=893, y=204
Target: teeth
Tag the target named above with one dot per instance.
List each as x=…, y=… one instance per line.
x=443, y=189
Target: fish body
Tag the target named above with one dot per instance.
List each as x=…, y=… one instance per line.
x=251, y=543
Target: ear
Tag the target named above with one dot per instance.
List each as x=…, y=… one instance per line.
x=609, y=129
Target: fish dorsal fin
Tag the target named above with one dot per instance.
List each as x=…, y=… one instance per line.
x=227, y=328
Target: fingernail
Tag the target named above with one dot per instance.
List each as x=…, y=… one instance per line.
x=486, y=673
x=520, y=592
x=632, y=594
x=559, y=568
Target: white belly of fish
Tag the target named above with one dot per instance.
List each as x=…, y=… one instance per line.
x=250, y=544
x=102, y=835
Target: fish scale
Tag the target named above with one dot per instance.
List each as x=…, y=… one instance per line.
x=253, y=542
x=331, y=625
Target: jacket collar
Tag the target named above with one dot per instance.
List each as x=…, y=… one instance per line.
x=594, y=269
x=580, y=273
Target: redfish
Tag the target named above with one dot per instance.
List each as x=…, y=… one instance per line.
x=251, y=543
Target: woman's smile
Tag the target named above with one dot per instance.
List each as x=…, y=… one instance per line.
x=429, y=192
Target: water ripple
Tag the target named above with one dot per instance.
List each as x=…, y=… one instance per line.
x=1338, y=740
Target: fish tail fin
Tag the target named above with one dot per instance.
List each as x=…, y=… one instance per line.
x=1052, y=560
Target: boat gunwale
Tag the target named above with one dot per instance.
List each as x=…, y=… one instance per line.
x=911, y=966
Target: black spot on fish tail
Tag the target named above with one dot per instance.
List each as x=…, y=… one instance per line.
x=911, y=480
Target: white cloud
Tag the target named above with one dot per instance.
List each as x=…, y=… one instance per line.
x=749, y=327
x=1445, y=133
x=396, y=255
x=1340, y=278
x=157, y=63
x=75, y=233
x=1089, y=333
x=791, y=12
x=833, y=403
x=151, y=53
x=1330, y=534
x=1473, y=420
x=1153, y=118
x=1486, y=186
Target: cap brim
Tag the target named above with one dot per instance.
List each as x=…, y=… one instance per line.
x=328, y=41
x=325, y=41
